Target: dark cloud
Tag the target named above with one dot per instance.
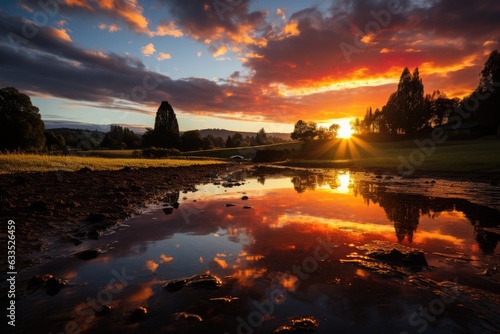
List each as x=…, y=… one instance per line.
x=433, y=34
x=46, y=65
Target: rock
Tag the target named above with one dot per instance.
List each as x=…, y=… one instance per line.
x=204, y=282
x=175, y=285
x=94, y=234
x=396, y=254
x=247, y=207
x=230, y=205
x=88, y=254
x=137, y=314
x=197, y=281
x=187, y=317
x=102, y=310
x=52, y=284
x=168, y=210
x=75, y=241
x=298, y=325
x=126, y=169
x=224, y=300
x=35, y=283
x=245, y=198
x=95, y=218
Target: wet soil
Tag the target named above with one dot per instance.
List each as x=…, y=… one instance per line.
x=69, y=207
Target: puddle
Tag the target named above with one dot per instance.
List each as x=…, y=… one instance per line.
x=333, y=252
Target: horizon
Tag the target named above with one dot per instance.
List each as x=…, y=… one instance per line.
x=242, y=67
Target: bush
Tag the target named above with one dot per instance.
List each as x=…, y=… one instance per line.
x=155, y=153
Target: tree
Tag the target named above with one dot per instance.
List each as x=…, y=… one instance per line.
x=166, y=131
x=304, y=131
x=21, y=126
x=403, y=112
x=489, y=86
x=261, y=137
x=334, y=130
x=229, y=142
x=54, y=141
x=437, y=108
x=119, y=137
x=191, y=141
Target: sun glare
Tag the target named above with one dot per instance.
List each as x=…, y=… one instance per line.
x=345, y=130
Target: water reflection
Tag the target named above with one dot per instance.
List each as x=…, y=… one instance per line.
x=405, y=210
x=287, y=249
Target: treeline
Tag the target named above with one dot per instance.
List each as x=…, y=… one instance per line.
x=306, y=131
x=408, y=110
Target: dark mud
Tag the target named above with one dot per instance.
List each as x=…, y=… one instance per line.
x=71, y=207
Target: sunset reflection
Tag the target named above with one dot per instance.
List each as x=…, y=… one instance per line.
x=300, y=239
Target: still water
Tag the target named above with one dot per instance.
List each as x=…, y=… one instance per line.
x=287, y=250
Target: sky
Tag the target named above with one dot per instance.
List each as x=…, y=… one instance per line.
x=236, y=64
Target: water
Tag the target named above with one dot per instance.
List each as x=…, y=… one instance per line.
x=297, y=247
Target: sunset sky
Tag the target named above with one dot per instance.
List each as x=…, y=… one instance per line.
x=238, y=65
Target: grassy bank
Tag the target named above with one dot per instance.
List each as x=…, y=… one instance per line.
x=468, y=156
x=14, y=163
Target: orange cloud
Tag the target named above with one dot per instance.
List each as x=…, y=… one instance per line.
x=220, y=51
x=168, y=29
x=148, y=50
x=221, y=262
x=61, y=34
x=152, y=265
x=166, y=259
x=164, y=56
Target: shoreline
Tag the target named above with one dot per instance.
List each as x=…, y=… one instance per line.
x=66, y=208
x=54, y=208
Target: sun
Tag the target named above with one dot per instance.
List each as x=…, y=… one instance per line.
x=345, y=130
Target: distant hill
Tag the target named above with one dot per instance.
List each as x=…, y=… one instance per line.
x=78, y=138
x=225, y=133
x=90, y=139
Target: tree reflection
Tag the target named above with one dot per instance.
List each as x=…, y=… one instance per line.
x=405, y=211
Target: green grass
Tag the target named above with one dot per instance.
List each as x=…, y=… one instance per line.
x=14, y=163
x=466, y=156
x=247, y=152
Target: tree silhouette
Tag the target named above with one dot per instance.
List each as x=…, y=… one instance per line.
x=489, y=87
x=191, y=141
x=166, y=131
x=304, y=131
x=261, y=137
x=21, y=126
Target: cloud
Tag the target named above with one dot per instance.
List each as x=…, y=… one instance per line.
x=127, y=11
x=168, y=29
x=164, y=56
x=294, y=66
x=110, y=28
x=148, y=50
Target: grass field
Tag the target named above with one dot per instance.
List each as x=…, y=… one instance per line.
x=475, y=156
x=247, y=152
x=478, y=155
x=467, y=156
x=14, y=163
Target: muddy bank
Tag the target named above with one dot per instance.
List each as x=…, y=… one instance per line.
x=70, y=207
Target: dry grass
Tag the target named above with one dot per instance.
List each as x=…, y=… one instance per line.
x=15, y=163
